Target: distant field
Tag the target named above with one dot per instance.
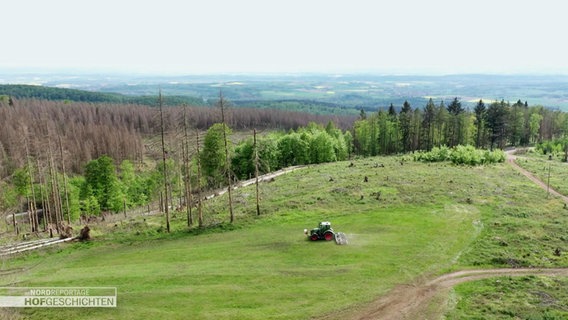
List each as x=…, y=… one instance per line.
x=409, y=220
x=352, y=92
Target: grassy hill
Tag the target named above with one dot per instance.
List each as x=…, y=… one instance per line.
x=410, y=220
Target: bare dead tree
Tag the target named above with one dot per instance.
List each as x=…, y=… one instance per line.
x=181, y=184
x=31, y=204
x=42, y=195
x=187, y=178
x=227, y=161
x=54, y=185
x=199, y=204
x=255, y=147
x=65, y=190
x=46, y=205
x=183, y=175
x=164, y=163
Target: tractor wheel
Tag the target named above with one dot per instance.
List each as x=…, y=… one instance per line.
x=314, y=237
x=328, y=236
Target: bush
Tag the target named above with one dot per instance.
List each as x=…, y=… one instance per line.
x=437, y=154
x=461, y=155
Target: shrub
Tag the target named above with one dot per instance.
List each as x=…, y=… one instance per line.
x=461, y=155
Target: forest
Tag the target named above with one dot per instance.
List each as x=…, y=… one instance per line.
x=495, y=125
x=77, y=159
x=73, y=95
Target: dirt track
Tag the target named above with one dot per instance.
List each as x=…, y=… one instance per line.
x=511, y=160
x=412, y=301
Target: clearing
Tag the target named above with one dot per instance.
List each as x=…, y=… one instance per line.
x=410, y=223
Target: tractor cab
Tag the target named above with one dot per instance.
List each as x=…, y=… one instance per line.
x=324, y=225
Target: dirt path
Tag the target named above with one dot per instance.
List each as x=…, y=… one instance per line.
x=262, y=178
x=412, y=301
x=511, y=159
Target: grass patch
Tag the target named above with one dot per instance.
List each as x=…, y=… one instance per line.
x=531, y=297
x=262, y=270
x=540, y=166
x=408, y=220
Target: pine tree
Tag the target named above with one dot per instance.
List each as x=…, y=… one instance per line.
x=497, y=124
x=405, y=117
x=454, y=129
x=480, y=119
x=428, y=124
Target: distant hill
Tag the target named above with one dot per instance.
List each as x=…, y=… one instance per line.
x=20, y=91
x=332, y=94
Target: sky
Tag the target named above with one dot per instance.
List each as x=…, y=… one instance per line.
x=285, y=36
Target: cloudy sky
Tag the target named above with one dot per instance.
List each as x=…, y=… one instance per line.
x=224, y=36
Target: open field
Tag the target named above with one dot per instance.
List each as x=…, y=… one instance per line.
x=410, y=221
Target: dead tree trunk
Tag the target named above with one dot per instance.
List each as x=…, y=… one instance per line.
x=31, y=202
x=186, y=184
x=256, y=173
x=65, y=190
x=164, y=164
x=54, y=187
x=199, y=202
x=43, y=201
x=187, y=178
x=227, y=160
x=16, y=229
x=30, y=212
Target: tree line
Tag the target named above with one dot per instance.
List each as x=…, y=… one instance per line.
x=494, y=125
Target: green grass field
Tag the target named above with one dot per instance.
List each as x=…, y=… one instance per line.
x=409, y=220
x=529, y=297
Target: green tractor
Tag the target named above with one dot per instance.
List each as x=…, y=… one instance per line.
x=325, y=232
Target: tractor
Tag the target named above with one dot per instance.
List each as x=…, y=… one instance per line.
x=325, y=232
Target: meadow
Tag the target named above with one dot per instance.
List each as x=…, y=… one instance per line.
x=410, y=221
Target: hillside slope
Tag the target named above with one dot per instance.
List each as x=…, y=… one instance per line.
x=409, y=221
